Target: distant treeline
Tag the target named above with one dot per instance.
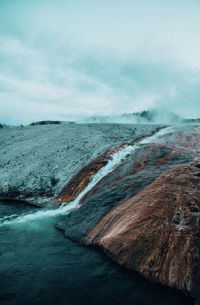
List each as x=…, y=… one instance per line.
x=3, y=125
x=153, y=115
x=49, y=122
x=192, y=120
x=45, y=123
x=145, y=116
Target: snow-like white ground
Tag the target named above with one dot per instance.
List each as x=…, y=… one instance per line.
x=37, y=161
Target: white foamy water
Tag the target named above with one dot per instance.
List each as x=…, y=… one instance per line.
x=114, y=161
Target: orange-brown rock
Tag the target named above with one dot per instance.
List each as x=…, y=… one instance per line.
x=156, y=231
x=186, y=137
x=77, y=184
x=145, y=214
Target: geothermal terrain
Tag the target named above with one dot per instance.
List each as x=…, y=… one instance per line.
x=128, y=191
x=37, y=161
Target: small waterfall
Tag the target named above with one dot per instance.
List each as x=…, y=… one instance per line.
x=112, y=164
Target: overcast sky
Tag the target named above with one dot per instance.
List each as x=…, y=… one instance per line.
x=61, y=59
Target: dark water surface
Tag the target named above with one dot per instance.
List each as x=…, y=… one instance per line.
x=38, y=266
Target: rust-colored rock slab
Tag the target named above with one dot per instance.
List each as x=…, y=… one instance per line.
x=145, y=214
x=156, y=231
x=186, y=137
x=77, y=184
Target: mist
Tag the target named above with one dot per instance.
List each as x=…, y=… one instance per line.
x=85, y=59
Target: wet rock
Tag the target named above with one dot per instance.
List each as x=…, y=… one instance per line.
x=77, y=184
x=145, y=214
x=140, y=235
x=194, y=209
x=187, y=137
x=59, y=149
x=177, y=219
x=138, y=171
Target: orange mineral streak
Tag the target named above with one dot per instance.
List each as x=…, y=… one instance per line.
x=188, y=140
x=159, y=161
x=156, y=231
x=78, y=183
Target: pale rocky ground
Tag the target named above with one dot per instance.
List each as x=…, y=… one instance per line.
x=37, y=161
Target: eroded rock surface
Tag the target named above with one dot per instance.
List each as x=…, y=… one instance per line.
x=37, y=161
x=136, y=172
x=156, y=231
x=145, y=214
x=77, y=184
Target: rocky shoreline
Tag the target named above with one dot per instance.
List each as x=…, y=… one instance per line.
x=145, y=215
x=37, y=161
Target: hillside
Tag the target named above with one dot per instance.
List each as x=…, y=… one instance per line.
x=37, y=161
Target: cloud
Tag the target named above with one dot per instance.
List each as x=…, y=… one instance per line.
x=33, y=89
x=90, y=84
x=88, y=58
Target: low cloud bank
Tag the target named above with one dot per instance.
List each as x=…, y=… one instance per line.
x=143, y=117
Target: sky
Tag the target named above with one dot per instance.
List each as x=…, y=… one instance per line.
x=66, y=59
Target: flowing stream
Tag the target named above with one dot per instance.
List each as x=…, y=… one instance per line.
x=39, y=266
x=113, y=162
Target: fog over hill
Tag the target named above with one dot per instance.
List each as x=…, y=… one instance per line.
x=143, y=117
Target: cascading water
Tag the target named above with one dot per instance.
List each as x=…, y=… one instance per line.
x=112, y=164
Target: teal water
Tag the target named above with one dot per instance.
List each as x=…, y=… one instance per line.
x=39, y=266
